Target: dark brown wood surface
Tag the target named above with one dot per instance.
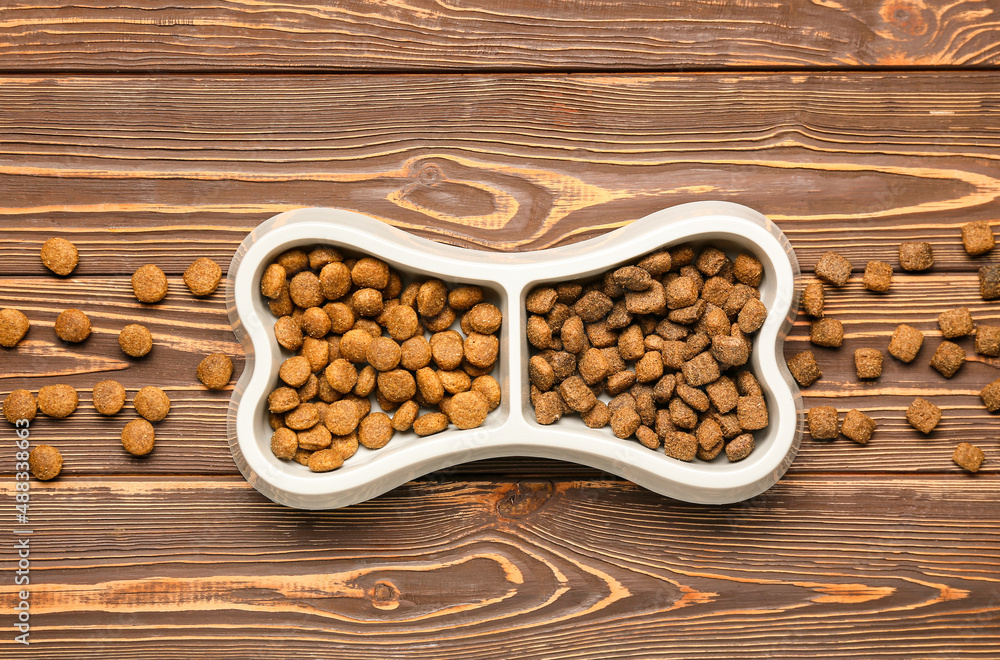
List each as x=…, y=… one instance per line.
x=358, y=35
x=162, y=132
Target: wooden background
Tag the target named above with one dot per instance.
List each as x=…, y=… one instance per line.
x=156, y=131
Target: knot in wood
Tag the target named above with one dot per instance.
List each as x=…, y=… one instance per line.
x=524, y=498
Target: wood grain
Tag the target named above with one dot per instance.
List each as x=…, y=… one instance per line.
x=422, y=35
x=192, y=439
x=167, y=169
x=177, y=567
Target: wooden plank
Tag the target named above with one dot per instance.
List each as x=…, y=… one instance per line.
x=192, y=438
x=126, y=568
x=853, y=162
x=525, y=35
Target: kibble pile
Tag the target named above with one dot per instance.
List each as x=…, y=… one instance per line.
x=149, y=285
x=357, y=332
x=905, y=344
x=665, y=340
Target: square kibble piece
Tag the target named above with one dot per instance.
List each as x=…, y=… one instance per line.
x=988, y=340
x=968, y=457
x=955, y=323
x=905, y=343
x=989, y=282
x=878, y=276
x=833, y=268
x=923, y=415
x=868, y=363
x=858, y=427
x=827, y=332
x=915, y=256
x=948, y=358
x=804, y=368
x=991, y=396
x=977, y=238
x=812, y=299
x=823, y=423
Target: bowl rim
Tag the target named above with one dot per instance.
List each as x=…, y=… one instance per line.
x=514, y=432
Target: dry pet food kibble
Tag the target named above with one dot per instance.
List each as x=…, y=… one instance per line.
x=57, y=400
x=823, y=423
x=923, y=415
x=13, y=326
x=152, y=403
x=833, y=268
x=915, y=257
x=991, y=396
x=138, y=437
x=215, y=371
x=955, y=323
x=968, y=457
x=651, y=350
x=360, y=332
x=858, y=426
x=45, y=462
x=878, y=276
x=203, y=277
x=868, y=363
x=948, y=358
x=989, y=282
x=827, y=332
x=60, y=256
x=109, y=397
x=20, y=404
x=813, y=299
x=149, y=284
x=135, y=340
x=977, y=238
x=905, y=343
x=988, y=340
x=72, y=325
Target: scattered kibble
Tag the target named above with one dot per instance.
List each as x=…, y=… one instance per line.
x=915, y=256
x=823, y=423
x=977, y=237
x=45, y=462
x=868, y=363
x=833, y=268
x=905, y=343
x=13, y=326
x=135, y=340
x=858, y=426
x=72, y=325
x=948, y=358
x=923, y=415
x=968, y=457
x=60, y=256
x=878, y=276
x=955, y=323
x=827, y=332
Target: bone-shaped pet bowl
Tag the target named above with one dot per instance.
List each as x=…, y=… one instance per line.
x=511, y=429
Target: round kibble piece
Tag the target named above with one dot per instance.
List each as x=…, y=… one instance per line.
x=345, y=445
x=288, y=333
x=335, y=280
x=405, y=415
x=354, y=345
x=60, y=256
x=149, y=284
x=468, y=410
x=45, y=462
x=323, y=255
x=135, y=340
x=402, y=323
x=370, y=273
x=215, y=370
x=272, y=282
x=431, y=298
x=295, y=371
x=317, y=437
x=341, y=375
x=57, y=400
x=341, y=417
x=20, y=404
x=375, y=430
x=489, y=388
x=152, y=403
x=282, y=400
x=430, y=423
x=447, y=349
x=383, y=353
x=293, y=261
x=109, y=397
x=397, y=385
x=481, y=350
x=13, y=326
x=284, y=443
x=367, y=302
x=72, y=325
x=315, y=322
x=485, y=318
x=138, y=437
x=305, y=416
x=325, y=460
x=465, y=297
x=203, y=277
x=305, y=290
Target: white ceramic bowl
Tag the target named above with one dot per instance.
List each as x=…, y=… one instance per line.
x=511, y=430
